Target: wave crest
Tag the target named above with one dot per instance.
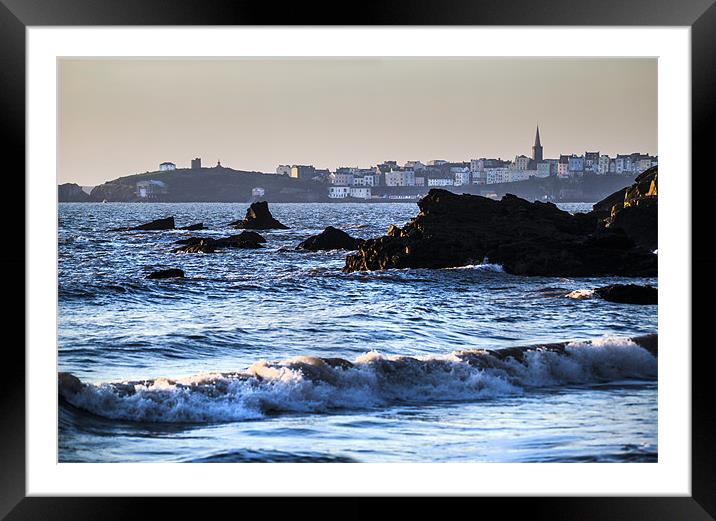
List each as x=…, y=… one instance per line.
x=307, y=384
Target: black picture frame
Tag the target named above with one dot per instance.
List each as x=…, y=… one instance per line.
x=700, y=15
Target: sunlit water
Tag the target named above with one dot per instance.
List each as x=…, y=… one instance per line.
x=238, y=307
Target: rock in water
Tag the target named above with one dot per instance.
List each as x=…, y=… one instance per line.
x=634, y=209
x=628, y=294
x=330, y=239
x=258, y=217
x=171, y=273
x=158, y=224
x=193, y=227
x=245, y=240
x=198, y=246
x=525, y=238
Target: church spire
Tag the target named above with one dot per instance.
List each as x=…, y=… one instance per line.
x=537, y=149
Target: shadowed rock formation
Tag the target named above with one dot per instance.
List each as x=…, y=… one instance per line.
x=158, y=224
x=258, y=217
x=330, y=239
x=245, y=240
x=525, y=238
x=628, y=294
x=634, y=209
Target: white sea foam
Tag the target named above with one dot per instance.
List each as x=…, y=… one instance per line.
x=314, y=385
x=480, y=267
x=580, y=294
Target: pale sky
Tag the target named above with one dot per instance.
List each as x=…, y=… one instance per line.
x=124, y=116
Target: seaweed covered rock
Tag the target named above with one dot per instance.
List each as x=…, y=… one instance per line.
x=258, y=217
x=525, y=238
x=330, y=239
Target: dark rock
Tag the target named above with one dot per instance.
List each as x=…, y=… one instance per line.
x=525, y=238
x=68, y=384
x=171, y=273
x=258, y=217
x=72, y=193
x=330, y=239
x=239, y=241
x=200, y=246
x=158, y=224
x=193, y=227
x=634, y=210
x=628, y=294
x=251, y=236
x=246, y=240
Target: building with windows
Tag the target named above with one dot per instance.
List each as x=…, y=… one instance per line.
x=360, y=192
x=150, y=189
x=196, y=163
x=303, y=171
x=339, y=192
x=283, y=170
x=403, y=177
x=167, y=166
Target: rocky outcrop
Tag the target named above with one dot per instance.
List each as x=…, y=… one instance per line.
x=525, y=238
x=258, y=217
x=245, y=240
x=158, y=224
x=193, y=227
x=171, y=273
x=72, y=193
x=198, y=246
x=330, y=239
x=634, y=210
x=628, y=294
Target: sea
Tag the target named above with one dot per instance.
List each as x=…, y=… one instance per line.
x=229, y=363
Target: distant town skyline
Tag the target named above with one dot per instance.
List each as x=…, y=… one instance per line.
x=119, y=117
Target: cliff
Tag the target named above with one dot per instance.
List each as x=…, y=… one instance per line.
x=72, y=193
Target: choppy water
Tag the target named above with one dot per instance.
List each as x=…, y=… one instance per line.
x=241, y=309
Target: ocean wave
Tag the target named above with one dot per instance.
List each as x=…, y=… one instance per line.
x=497, y=268
x=308, y=384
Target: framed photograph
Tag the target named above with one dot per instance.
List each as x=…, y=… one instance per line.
x=418, y=252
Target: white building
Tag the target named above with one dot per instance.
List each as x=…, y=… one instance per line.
x=519, y=175
x=150, y=189
x=603, y=167
x=360, y=192
x=462, y=176
x=341, y=179
x=339, y=192
x=167, y=166
x=441, y=181
x=258, y=192
x=400, y=178
x=497, y=175
x=415, y=166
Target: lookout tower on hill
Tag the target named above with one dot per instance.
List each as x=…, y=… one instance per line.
x=196, y=163
x=537, y=148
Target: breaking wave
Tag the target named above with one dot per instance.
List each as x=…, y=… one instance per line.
x=308, y=384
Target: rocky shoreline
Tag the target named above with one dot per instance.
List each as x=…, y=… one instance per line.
x=617, y=238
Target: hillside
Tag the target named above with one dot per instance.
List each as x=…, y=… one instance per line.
x=218, y=184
